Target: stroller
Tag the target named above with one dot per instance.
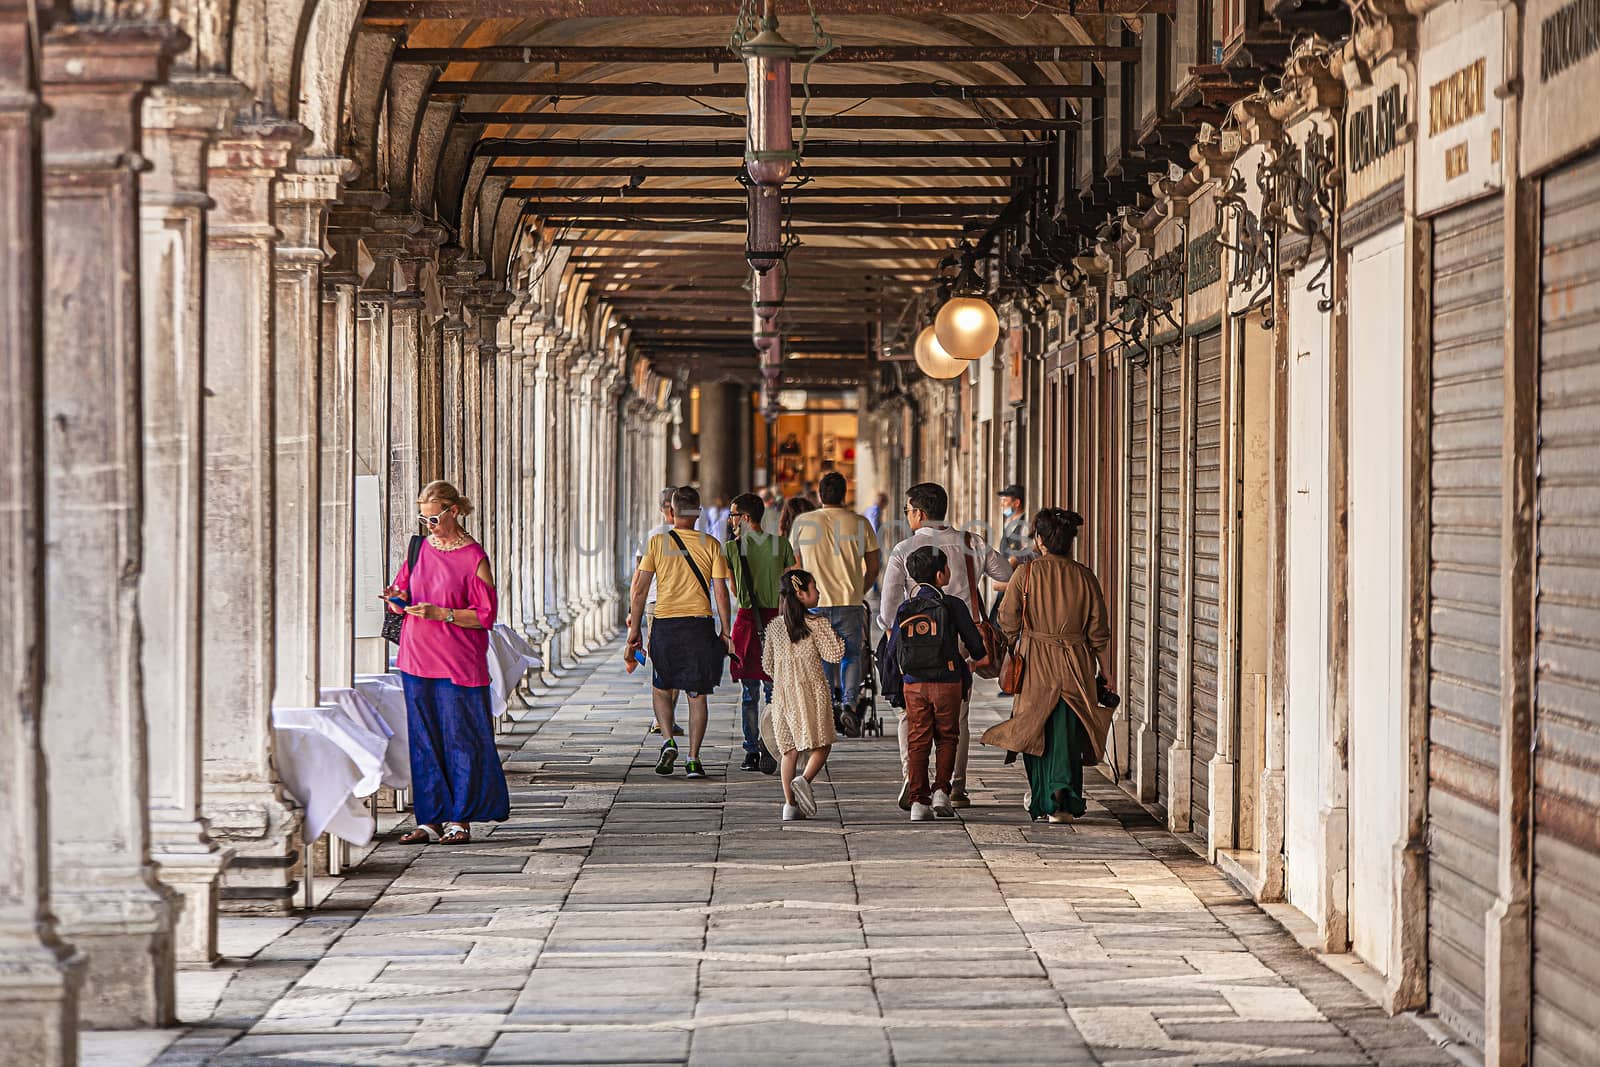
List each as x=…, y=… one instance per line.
x=862, y=718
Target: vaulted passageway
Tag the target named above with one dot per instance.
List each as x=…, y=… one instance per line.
x=1291, y=300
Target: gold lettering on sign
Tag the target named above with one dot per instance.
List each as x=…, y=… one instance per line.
x=1455, y=161
x=1456, y=98
x=1494, y=145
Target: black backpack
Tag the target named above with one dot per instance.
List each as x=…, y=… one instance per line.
x=920, y=627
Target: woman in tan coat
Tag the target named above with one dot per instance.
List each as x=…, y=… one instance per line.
x=1055, y=615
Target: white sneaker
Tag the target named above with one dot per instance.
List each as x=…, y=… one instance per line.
x=904, y=799
x=791, y=813
x=941, y=805
x=1027, y=800
x=922, y=813
x=804, y=799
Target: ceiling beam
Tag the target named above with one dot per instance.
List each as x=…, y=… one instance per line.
x=701, y=248
x=926, y=230
x=621, y=195
x=557, y=148
x=382, y=10
x=899, y=90
x=715, y=121
x=536, y=54
x=816, y=210
x=732, y=170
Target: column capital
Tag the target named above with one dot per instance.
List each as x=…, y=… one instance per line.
x=92, y=77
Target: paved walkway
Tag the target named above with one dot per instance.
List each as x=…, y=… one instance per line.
x=623, y=918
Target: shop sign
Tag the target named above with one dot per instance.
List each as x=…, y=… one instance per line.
x=1378, y=124
x=1205, y=261
x=1561, y=65
x=1459, y=73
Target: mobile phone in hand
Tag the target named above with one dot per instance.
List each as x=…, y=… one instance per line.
x=398, y=601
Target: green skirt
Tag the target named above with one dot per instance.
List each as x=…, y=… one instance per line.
x=1060, y=769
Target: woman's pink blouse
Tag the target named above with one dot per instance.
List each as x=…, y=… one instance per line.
x=431, y=649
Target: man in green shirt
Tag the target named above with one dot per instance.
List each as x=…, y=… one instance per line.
x=756, y=559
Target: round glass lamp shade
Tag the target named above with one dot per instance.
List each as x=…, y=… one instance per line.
x=933, y=360
x=967, y=327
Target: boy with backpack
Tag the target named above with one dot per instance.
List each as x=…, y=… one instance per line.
x=929, y=629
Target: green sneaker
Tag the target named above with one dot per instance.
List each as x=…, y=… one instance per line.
x=669, y=757
x=692, y=769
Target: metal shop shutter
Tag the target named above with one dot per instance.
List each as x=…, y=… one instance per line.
x=1138, y=606
x=1169, y=585
x=1566, y=752
x=1464, y=606
x=1205, y=537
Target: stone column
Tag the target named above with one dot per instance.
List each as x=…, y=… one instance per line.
x=719, y=440
x=679, y=441
x=538, y=544
x=371, y=451
x=242, y=793
x=430, y=379
x=302, y=199
x=180, y=119
x=103, y=886
x=396, y=243
x=341, y=281
x=486, y=354
x=38, y=996
x=452, y=373
x=562, y=483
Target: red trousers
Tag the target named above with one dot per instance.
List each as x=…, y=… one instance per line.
x=933, y=714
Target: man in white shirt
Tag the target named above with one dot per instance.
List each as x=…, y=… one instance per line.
x=927, y=503
x=840, y=549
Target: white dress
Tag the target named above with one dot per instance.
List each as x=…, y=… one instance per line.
x=802, y=704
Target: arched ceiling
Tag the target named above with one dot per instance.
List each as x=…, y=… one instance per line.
x=616, y=128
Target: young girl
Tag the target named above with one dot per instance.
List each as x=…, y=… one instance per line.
x=796, y=643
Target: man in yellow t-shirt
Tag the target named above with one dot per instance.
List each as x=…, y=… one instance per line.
x=686, y=651
x=840, y=549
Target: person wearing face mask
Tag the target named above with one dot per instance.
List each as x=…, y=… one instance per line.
x=1015, y=544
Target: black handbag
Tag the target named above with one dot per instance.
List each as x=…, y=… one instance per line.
x=394, y=622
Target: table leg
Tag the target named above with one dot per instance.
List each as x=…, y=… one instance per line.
x=336, y=855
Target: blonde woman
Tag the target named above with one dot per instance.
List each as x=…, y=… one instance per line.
x=450, y=597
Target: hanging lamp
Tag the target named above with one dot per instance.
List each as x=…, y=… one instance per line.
x=769, y=152
x=768, y=289
x=933, y=360
x=967, y=326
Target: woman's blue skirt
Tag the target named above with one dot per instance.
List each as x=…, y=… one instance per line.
x=455, y=769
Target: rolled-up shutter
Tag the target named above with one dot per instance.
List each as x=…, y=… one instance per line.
x=1566, y=753
x=1169, y=583
x=1138, y=602
x=1205, y=534
x=1464, y=599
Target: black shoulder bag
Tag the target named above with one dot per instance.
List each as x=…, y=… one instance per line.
x=393, y=622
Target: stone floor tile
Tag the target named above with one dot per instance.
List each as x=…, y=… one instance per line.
x=619, y=917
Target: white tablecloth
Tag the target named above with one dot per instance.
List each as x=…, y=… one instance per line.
x=330, y=757
x=510, y=657
x=387, y=695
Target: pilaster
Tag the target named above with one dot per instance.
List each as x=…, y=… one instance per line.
x=180, y=119
x=242, y=793
x=302, y=197
x=103, y=886
x=38, y=994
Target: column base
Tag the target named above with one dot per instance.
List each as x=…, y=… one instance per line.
x=264, y=834
x=197, y=879
x=1508, y=992
x=1180, y=786
x=1144, y=765
x=1407, y=988
x=1269, y=837
x=1221, y=790
x=1333, y=925
x=39, y=999
x=129, y=980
